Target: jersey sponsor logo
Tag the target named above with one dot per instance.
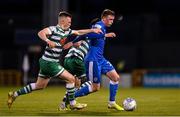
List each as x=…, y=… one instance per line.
x=63, y=41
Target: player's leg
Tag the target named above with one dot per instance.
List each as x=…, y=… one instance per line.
x=42, y=81
x=93, y=73
x=109, y=70
x=63, y=105
x=113, y=87
x=40, y=84
x=70, y=66
x=76, y=67
x=70, y=86
x=113, y=84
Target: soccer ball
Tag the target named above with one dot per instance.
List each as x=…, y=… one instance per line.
x=129, y=104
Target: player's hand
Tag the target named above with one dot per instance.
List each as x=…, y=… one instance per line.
x=77, y=44
x=77, y=82
x=75, y=32
x=97, y=30
x=110, y=34
x=51, y=44
x=67, y=45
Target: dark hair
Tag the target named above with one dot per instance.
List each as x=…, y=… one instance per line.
x=107, y=12
x=64, y=13
x=93, y=21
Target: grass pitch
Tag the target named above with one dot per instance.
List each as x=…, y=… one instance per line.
x=150, y=102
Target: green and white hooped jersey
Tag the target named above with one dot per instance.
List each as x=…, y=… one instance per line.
x=58, y=36
x=80, y=51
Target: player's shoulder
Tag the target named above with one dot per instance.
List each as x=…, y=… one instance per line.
x=52, y=28
x=98, y=25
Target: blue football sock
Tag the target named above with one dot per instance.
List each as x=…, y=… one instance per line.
x=113, y=90
x=82, y=92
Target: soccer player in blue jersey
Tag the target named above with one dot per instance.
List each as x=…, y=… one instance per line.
x=96, y=64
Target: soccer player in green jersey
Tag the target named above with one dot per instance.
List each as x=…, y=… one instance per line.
x=74, y=63
x=55, y=37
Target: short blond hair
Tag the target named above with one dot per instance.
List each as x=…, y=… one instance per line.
x=107, y=12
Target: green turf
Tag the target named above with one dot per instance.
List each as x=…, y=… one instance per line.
x=157, y=102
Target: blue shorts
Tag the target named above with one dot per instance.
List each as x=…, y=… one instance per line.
x=94, y=69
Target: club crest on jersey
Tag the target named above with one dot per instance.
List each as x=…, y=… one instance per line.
x=95, y=79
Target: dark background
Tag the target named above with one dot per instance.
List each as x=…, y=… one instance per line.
x=147, y=37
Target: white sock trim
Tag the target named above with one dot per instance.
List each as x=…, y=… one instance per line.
x=33, y=86
x=112, y=82
x=15, y=94
x=69, y=85
x=73, y=102
x=90, y=88
x=112, y=102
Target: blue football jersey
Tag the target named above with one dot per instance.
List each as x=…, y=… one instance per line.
x=96, y=44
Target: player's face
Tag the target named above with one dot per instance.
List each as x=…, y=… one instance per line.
x=108, y=20
x=65, y=23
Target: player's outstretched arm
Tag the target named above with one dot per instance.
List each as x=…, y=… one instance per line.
x=76, y=40
x=85, y=31
x=89, y=36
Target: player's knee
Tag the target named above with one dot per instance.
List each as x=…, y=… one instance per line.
x=116, y=79
x=71, y=79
